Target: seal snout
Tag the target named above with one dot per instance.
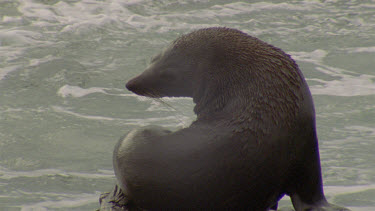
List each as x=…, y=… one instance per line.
x=134, y=85
x=139, y=86
x=131, y=85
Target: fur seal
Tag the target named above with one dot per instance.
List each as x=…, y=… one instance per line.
x=254, y=139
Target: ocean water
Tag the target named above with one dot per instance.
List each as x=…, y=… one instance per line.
x=63, y=104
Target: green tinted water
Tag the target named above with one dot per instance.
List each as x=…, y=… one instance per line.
x=63, y=104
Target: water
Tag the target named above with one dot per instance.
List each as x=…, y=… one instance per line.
x=63, y=104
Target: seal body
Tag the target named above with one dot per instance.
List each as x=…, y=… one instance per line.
x=254, y=139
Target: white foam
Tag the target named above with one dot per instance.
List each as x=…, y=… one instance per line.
x=36, y=62
x=315, y=56
x=129, y=2
x=182, y=121
x=11, y=19
x=67, y=201
x=75, y=91
x=237, y=8
x=261, y=6
x=370, y=49
x=35, y=10
x=10, y=53
x=20, y=37
x=348, y=83
x=63, y=110
x=6, y=70
x=7, y=174
x=369, y=130
x=118, y=13
x=83, y=15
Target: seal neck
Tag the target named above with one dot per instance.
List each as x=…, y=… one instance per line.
x=254, y=104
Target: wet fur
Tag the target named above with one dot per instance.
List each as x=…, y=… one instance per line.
x=254, y=139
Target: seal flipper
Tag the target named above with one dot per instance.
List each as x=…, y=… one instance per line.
x=322, y=205
x=116, y=200
x=308, y=194
x=299, y=204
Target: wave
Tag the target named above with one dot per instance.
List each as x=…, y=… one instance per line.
x=167, y=121
x=348, y=83
x=9, y=174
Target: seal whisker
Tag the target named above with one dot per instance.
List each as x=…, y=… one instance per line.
x=157, y=98
x=170, y=108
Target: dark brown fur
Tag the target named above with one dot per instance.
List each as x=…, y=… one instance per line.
x=254, y=139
